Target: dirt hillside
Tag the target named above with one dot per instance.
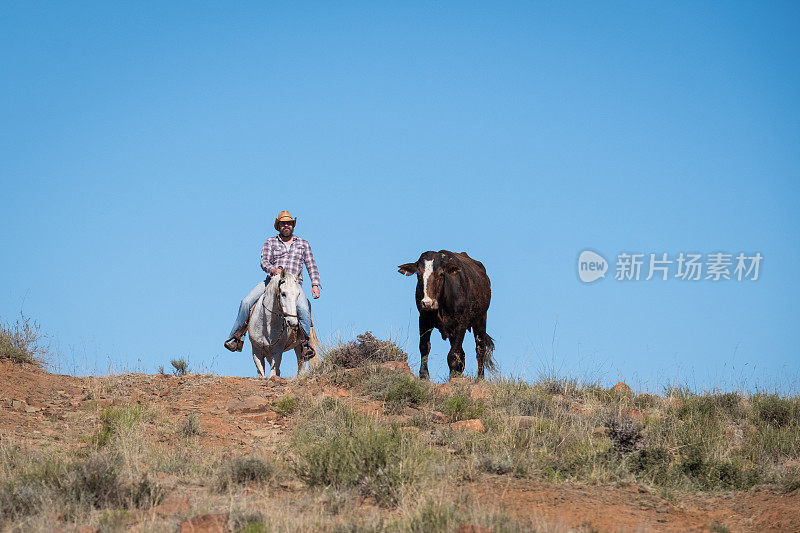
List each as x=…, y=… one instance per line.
x=43, y=413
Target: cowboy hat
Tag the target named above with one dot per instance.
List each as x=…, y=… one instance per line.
x=284, y=216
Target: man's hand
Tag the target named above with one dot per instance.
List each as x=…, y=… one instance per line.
x=315, y=291
x=275, y=271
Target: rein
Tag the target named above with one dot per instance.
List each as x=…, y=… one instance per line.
x=282, y=312
x=272, y=332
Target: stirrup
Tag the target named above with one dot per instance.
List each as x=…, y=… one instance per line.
x=308, y=351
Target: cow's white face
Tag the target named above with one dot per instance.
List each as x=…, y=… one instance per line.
x=430, y=298
x=430, y=269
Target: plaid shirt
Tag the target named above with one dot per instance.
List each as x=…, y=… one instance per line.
x=274, y=254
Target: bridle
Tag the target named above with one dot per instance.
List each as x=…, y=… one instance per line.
x=282, y=312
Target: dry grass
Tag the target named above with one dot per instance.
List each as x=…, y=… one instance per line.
x=72, y=487
x=339, y=468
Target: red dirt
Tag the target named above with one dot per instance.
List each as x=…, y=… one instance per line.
x=38, y=408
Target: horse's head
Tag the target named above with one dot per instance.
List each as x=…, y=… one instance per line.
x=288, y=292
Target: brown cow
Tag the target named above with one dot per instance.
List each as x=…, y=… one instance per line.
x=453, y=295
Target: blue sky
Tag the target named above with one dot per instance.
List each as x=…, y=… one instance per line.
x=146, y=148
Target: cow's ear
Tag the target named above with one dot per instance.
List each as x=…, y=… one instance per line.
x=409, y=269
x=452, y=268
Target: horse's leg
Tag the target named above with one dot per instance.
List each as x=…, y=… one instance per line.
x=277, y=359
x=301, y=365
x=271, y=362
x=258, y=358
x=275, y=362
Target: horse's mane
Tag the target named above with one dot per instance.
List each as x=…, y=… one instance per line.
x=272, y=286
x=271, y=290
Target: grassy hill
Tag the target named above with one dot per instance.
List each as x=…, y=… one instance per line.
x=360, y=444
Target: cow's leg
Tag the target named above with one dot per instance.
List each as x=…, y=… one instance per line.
x=479, y=330
x=425, y=328
x=455, y=358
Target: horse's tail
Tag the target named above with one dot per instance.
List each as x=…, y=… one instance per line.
x=315, y=344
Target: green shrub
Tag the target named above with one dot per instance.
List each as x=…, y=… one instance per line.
x=497, y=464
x=459, y=406
x=515, y=397
x=184, y=461
x=570, y=455
x=146, y=494
x=116, y=420
x=115, y=520
x=653, y=464
x=712, y=408
x=433, y=516
x=397, y=389
x=790, y=481
x=366, y=349
x=180, y=367
x=244, y=471
x=249, y=522
x=774, y=443
x=776, y=411
x=20, y=342
x=678, y=392
x=341, y=449
x=22, y=499
x=625, y=434
x=645, y=401
x=91, y=483
x=285, y=406
x=96, y=482
x=447, y=515
x=190, y=426
x=718, y=527
x=553, y=385
x=715, y=474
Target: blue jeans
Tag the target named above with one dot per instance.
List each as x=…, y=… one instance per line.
x=303, y=309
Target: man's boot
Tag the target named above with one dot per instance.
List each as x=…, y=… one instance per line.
x=234, y=344
x=308, y=351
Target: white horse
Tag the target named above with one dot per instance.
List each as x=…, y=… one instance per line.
x=273, y=326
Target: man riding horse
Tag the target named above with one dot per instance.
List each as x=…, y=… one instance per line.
x=282, y=251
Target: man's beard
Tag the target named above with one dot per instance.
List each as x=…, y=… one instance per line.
x=287, y=232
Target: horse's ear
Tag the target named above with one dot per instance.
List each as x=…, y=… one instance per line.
x=283, y=273
x=409, y=269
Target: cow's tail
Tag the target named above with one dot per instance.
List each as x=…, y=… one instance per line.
x=488, y=361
